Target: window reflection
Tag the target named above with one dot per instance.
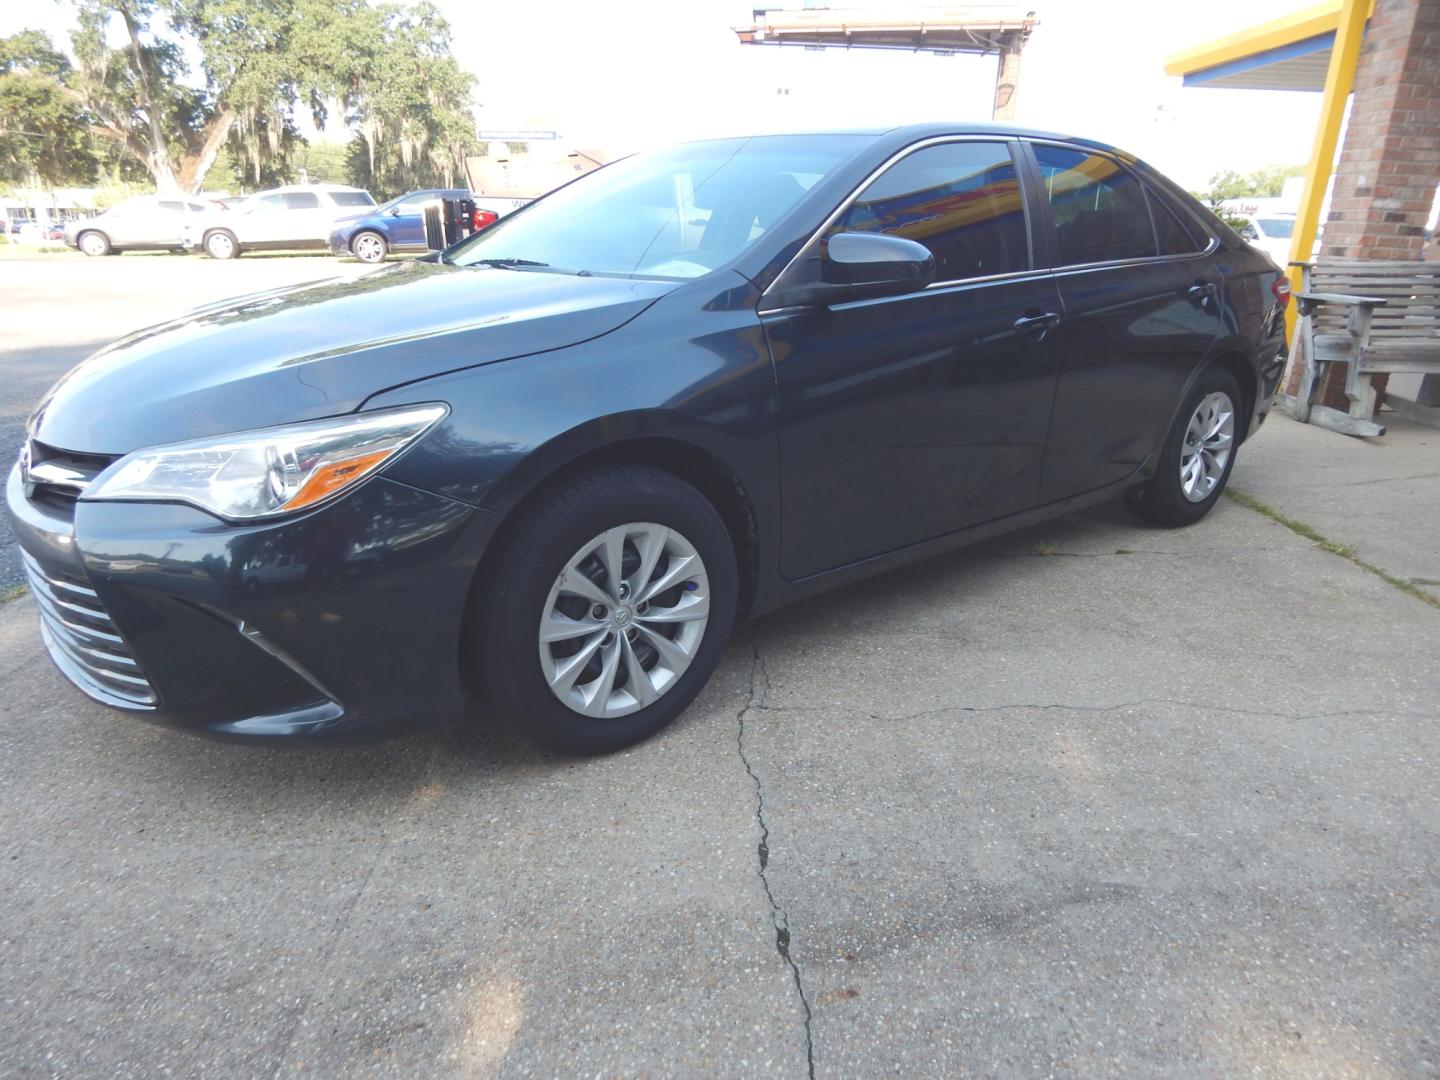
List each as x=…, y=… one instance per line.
x=1098, y=208
x=961, y=200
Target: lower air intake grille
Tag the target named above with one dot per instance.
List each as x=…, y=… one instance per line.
x=84, y=643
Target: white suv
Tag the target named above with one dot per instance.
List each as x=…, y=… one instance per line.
x=299, y=216
x=147, y=223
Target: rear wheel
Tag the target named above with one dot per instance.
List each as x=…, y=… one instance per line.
x=92, y=242
x=221, y=245
x=369, y=247
x=1198, y=455
x=604, y=610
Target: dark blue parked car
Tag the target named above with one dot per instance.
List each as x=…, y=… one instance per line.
x=556, y=461
x=399, y=225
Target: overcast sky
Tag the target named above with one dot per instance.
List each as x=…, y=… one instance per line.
x=622, y=74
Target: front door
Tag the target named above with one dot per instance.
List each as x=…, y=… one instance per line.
x=909, y=417
x=1141, y=312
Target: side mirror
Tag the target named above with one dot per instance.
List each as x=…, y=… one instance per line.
x=394, y=211
x=873, y=264
x=863, y=266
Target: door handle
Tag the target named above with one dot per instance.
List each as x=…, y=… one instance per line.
x=1035, y=325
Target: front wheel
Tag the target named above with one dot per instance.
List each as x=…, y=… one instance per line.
x=604, y=611
x=1198, y=455
x=93, y=243
x=221, y=245
x=369, y=247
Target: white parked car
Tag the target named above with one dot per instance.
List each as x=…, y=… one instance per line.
x=299, y=216
x=1270, y=233
x=147, y=223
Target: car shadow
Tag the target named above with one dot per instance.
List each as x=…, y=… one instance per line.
x=476, y=750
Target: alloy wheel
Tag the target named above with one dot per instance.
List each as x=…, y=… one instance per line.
x=219, y=245
x=369, y=248
x=624, y=619
x=1209, y=441
x=92, y=243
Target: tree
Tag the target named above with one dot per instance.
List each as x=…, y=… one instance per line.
x=44, y=134
x=386, y=66
x=1266, y=183
x=413, y=108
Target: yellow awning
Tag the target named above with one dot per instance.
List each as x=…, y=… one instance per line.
x=1288, y=53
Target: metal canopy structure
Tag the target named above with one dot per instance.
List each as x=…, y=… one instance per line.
x=1281, y=55
x=1289, y=53
x=980, y=30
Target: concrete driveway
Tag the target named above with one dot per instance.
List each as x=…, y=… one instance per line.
x=1094, y=799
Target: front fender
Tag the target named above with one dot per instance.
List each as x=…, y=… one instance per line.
x=514, y=423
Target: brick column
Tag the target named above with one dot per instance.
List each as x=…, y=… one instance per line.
x=1390, y=163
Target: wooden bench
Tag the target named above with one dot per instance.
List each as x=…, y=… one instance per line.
x=1373, y=316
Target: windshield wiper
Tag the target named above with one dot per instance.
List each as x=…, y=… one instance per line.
x=508, y=262
x=527, y=264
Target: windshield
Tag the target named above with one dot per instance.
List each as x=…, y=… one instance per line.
x=1281, y=228
x=676, y=213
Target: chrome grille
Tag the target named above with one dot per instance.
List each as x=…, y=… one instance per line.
x=58, y=473
x=85, y=644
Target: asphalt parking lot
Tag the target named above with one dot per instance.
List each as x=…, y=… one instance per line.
x=1090, y=800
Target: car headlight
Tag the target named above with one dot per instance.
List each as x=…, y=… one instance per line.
x=259, y=474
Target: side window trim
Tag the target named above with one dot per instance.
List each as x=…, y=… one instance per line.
x=1012, y=144
x=1154, y=198
x=1008, y=143
x=1043, y=208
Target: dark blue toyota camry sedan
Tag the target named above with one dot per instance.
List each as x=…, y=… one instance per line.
x=556, y=462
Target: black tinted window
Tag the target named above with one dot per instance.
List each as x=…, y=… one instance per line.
x=352, y=198
x=1174, y=237
x=172, y=207
x=1098, y=207
x=961, y=200
x=301, y=200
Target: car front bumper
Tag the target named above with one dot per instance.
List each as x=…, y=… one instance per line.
x=339, y=243
x=341, y=623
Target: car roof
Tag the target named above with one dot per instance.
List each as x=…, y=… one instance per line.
x=936, y=129
x=285, y=188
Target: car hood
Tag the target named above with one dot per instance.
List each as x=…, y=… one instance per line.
x=321, y=349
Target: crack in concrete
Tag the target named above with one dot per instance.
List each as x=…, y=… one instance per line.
x=759, y=685
x=1069, y=707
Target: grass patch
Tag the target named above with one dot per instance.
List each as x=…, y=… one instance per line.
x=1335, y=548
x=11, y=592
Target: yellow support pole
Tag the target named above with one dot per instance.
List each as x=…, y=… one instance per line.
x=1339, y=78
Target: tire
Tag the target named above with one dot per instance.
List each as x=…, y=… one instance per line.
x=521, y=590
x=93, y=242
x=1181, y=493
x=369, y=246
x=221, y=244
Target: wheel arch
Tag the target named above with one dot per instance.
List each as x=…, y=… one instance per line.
x=376, y=229
x=697, y=465
x=1232, y=358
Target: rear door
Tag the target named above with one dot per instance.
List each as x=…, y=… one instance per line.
x=908, y=417
x=169, y=224
x=1141, y=312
